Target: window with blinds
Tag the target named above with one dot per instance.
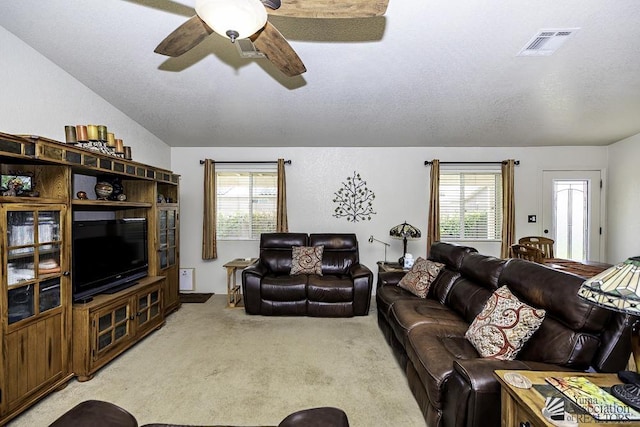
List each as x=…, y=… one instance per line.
x=471, y=205
x=246, y=204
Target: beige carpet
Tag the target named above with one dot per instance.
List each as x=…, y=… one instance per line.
x=214, y=365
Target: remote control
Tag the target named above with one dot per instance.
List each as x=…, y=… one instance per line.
x=629, y=377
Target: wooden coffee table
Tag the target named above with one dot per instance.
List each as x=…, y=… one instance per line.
x=523, y=407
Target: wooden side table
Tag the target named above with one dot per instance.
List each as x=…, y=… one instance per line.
x=383, y=267
x=234, y=290
x=523, y=407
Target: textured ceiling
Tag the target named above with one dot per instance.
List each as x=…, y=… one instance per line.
x=428, y=73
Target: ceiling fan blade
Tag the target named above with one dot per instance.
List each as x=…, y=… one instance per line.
x=188, y=3
x=277, y=50
x=330, y=8
x=184, y=38
x=271, y=4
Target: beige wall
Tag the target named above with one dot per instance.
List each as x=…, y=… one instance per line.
x=397, y=176
x=623, y=205
x=39, y=98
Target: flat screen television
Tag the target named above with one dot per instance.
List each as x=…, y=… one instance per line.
x=107, y=256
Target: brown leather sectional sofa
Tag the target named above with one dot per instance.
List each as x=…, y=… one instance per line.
x=343, y=289
x=453, y=385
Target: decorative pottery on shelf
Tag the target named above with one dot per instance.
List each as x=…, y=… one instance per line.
x=118, y=189
x=103, y=190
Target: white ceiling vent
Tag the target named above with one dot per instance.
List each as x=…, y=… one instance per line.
x=247, y=49
x=547, y=41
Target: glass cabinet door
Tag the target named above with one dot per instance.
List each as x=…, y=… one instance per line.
x=149, y=306
x=34, y=271
x=167, y=237
x=113, y=327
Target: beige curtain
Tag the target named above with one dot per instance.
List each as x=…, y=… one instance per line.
x=282, y=226
x=433, y=222
x=209, y=244
x=508, y=208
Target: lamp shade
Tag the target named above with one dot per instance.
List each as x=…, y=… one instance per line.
x=232, y=18
x=617, y=288
x=404, y=231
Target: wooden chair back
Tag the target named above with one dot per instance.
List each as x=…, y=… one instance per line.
x=545, y=244
x=527, y=252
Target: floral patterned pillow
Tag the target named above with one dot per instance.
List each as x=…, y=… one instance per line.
x=504, y=325
x=306, y=260
x=420, y=277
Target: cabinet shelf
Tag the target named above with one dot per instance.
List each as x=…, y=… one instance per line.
x=110, y=204
x=31, y=246
x=30, y=200
x=42, y=277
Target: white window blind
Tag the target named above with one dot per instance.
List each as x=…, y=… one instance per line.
x=471, y=205
x=246, y=204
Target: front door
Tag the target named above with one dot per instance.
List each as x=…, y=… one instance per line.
x=571, y=213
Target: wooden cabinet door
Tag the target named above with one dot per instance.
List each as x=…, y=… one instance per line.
x=112, y=329
x=149, y=309
x=35, y=359
x=34, y=300
x=167, y=252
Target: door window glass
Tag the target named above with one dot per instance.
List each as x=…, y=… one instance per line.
x=570, y=215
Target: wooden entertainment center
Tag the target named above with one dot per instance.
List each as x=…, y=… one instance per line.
x=46, y=339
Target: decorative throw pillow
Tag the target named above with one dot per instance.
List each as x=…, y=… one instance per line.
x=420, y=277
x=504, y=325
x=306, y=260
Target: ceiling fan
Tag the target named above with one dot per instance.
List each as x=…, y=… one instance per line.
x=240, y=19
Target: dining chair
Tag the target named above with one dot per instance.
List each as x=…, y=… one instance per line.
x=529, y=253
x=545, y=244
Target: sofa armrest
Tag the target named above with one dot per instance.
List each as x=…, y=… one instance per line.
x=390, y=278
x=359, y=270
x=251, y=289
x=96, y=413
x=362, y=287
x=255, y=269
x=478, y=373
x=473, y=391
x=325, y=416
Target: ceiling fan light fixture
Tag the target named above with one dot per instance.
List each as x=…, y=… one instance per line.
x=234, y=19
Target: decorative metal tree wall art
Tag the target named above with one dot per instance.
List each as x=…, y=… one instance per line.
x=354, y=199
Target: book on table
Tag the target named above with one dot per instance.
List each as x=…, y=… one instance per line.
x=597, y=402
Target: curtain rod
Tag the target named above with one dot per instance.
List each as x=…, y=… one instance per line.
x=288, y=162
x=428, y=163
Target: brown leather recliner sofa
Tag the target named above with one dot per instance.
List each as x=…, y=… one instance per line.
x=343, y=290
x=452, y=383
x=98, y=413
